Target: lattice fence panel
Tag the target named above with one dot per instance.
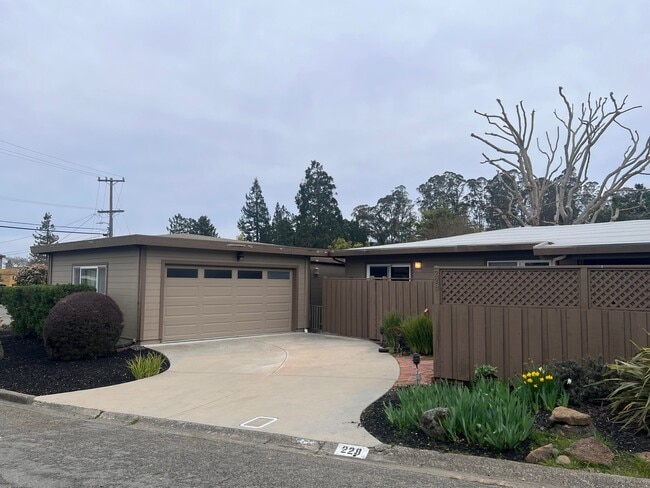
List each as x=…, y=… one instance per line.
x=512, y=287
x=627, y=289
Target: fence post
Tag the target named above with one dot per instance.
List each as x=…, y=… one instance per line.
x=435, y=316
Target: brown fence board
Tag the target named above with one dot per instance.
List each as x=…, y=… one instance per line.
x=506, y=317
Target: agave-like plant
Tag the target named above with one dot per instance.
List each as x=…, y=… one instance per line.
x=630, y=400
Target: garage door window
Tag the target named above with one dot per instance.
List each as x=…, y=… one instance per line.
x=94, y=276
x=249, y=274
x=279, y=275
x=182, y=273
x=223, y=274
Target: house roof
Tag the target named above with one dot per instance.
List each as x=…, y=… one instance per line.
x=631, y=236
x=183, y=241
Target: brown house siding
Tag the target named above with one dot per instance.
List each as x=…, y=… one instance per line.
x=121, y=278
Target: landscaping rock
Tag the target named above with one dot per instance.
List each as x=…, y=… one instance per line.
x=577, y=431
x=563, y=460
x=591, y=451
x=568, y=416
x=430, y=422
x=540, y=454
x=645, y=456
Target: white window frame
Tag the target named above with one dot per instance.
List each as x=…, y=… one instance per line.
x=389, y=266
x=100, y=278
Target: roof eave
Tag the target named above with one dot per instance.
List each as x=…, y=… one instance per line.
x=432, y=250
x=177, y=242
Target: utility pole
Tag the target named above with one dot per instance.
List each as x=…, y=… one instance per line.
x=111, y=182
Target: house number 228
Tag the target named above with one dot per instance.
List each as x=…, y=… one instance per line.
x=348, y=450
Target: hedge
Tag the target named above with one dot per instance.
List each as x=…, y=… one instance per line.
x=29, y=305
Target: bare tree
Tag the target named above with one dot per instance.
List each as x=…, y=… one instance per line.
x=565, y=155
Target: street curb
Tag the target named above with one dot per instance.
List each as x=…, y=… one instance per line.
x=14, y=396
x=89, y=413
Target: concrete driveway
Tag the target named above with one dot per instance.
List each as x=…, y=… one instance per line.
x=305, y=385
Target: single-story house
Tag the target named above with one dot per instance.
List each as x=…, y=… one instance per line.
x=609, y=243
x=188, y=287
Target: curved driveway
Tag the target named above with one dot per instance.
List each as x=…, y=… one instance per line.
x=305, y=385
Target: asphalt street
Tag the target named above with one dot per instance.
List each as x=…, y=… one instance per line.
x=57, y=446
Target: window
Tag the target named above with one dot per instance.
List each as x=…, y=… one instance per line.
x=248, y=274
x=224, y=274
x=182, y=273
x=279, y=275
x=94, y=276
x=390, y=271
x=518, y=264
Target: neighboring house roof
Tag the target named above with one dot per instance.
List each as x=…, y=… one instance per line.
x=186, y=241
x=630, y=236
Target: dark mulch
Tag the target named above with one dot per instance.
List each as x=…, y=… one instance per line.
x=374, y=420
x=27, y=369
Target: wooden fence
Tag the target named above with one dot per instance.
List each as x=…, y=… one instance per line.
x=509, y=318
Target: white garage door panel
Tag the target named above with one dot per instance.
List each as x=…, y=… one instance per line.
x=203, y=308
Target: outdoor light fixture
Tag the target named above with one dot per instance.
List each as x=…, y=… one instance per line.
x=240, y=255
x=316, y=271
x=416, y=361
x=417, y=265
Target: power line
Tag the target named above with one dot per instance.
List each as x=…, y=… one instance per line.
x=111, y=183
x=33, y=159
x=55, y=227
x=37, y=228
x=45, y=203
x=94, y=170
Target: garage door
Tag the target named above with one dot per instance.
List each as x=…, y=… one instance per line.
x=210, y=302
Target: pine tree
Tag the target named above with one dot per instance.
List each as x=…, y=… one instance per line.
x=319, y=220
x=44, y=236
x=187, y=225
x=204, y=227
x=282, y=231
x=255, y=221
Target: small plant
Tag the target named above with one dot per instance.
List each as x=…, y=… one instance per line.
x=145, y=366
x=539, y=388
x=485, y=371
x=83, y=325
x=418, y=334
x=630, y=400
x=391, y=329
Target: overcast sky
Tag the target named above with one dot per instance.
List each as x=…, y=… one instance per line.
x=191, y=100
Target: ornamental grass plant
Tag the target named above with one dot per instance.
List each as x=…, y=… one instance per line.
x=630, y=400
x=144, y=366
x=418, y=334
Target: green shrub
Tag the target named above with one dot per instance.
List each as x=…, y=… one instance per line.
x=145, y=366
x=630, y=400
x=487, y=415
x=29, y=305
x=34, y=274
x=83, y=325
x=485, y=371
x=391, y=329
x=541, y=388
x=418, y=334
x=583, y=380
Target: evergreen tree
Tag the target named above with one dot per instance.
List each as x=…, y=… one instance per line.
x=282, y=231
x=181, y=225
x=44, y=236
x=203, y=227
x=255, y=221
x=187, y=225
x=319, y=220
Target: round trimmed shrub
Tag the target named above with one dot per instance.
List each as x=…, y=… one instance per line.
x=83, y=325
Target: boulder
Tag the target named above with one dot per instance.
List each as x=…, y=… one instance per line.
x=645, y=456
x=540, y=454
x=591, y=451
x=430, y=422
x=563, y=460
x=568, y=416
